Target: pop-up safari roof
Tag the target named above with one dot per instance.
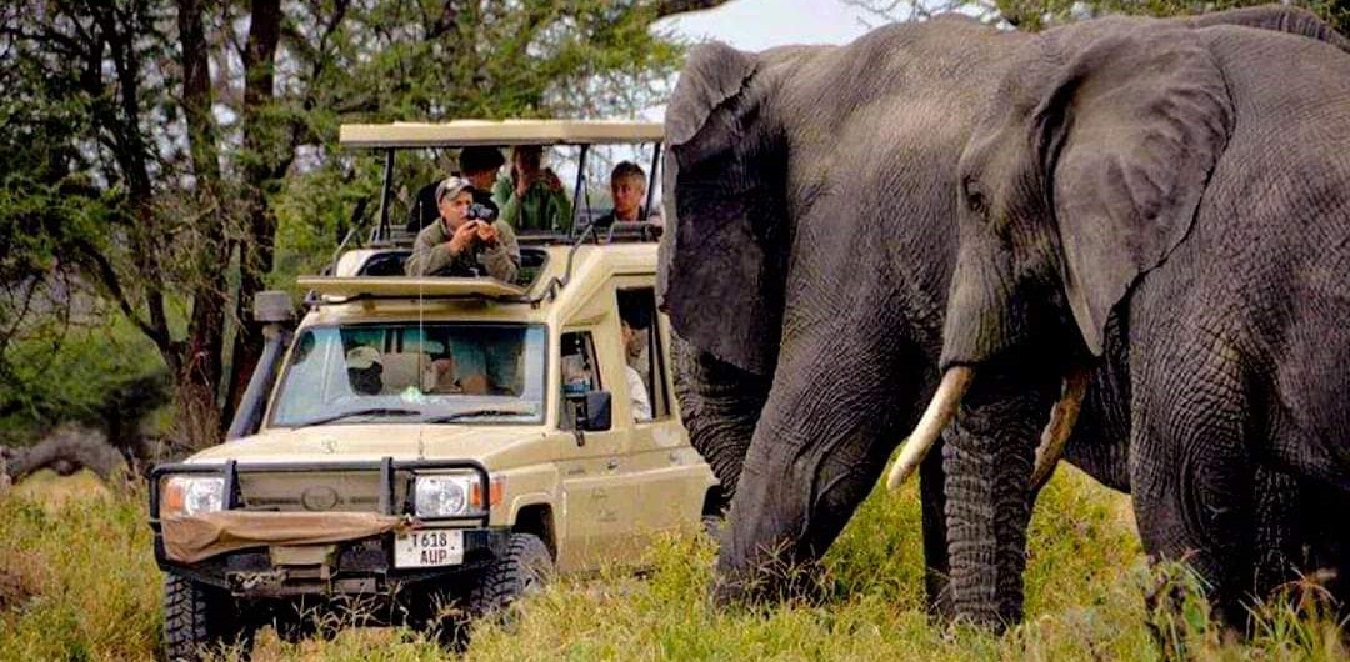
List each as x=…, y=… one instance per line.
x=462, y=133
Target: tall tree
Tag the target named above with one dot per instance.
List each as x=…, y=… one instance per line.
x=156, y=150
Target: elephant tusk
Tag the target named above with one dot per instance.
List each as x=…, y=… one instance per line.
x=1062, y=418
x=940, y=411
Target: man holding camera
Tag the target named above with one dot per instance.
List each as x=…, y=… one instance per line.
x=465, y=240
x=532, y=197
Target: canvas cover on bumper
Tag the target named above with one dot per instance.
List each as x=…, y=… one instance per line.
x=188, y=539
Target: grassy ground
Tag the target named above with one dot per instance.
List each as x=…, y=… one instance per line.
x=77, y=582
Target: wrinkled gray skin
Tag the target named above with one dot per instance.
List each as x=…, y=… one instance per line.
x=813, y=235
x=1188, y=188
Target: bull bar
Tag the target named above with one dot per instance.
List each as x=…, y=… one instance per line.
x=388, y=468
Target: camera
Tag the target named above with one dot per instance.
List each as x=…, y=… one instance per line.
x=480, y=212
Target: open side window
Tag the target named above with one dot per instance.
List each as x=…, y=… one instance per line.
x=585, y=404
x=643, y=352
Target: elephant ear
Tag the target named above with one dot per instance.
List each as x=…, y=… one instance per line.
x=722, y=254
x=1133, y=116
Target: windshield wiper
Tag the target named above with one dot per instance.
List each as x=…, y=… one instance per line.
x=474, y=413
x=372, y=411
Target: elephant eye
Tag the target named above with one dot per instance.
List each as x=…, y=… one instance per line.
x=970, y=189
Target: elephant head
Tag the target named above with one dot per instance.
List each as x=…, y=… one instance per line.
x=1082, y=177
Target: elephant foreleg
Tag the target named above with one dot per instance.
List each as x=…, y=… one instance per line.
x=1192, y=475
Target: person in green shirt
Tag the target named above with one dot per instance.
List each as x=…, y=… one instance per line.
x=532, y=198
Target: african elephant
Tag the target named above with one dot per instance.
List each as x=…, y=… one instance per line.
x=806, y=265
x=1187, y=185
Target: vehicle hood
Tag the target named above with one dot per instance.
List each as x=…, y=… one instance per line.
x=360, y=443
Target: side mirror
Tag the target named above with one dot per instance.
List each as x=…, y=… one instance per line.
x=592, y=410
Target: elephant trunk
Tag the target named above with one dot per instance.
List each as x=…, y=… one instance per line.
x=940, y=411
x=720, y=406
x=987, y=461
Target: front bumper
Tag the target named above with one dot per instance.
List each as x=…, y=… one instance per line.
x=359, y=565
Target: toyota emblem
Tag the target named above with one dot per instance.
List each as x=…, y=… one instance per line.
x=319, y=497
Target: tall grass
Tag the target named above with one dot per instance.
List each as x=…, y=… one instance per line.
x=86, y=560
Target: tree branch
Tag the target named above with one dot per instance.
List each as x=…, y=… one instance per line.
x=108, y=276
x=666, y=8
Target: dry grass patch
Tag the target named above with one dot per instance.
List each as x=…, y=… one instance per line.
x=98, y=598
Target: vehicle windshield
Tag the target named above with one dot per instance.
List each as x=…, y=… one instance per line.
x=468, y=373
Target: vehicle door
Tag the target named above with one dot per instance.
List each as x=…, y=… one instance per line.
x=671, y=476
x=597, y=496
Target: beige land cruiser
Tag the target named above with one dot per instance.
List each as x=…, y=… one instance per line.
x=431, y=442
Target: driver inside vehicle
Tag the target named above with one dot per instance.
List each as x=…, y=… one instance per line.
x=461, y=242
x=365, y=370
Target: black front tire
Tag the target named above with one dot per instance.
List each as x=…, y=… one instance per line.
x=199, y=618
x=525, y=568
x=449, y=611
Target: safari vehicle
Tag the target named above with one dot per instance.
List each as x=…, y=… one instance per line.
x=422, y=442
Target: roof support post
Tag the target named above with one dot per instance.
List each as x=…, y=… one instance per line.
x=386, y=192
x=576, y=191
x=651, y=180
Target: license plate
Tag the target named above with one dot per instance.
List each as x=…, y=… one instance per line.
x=429, y=548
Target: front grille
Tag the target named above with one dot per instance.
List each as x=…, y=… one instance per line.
x=315, y=491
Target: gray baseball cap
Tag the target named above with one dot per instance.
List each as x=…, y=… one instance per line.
x=452, y=186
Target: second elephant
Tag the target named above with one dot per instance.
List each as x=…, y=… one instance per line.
x=1190, y=189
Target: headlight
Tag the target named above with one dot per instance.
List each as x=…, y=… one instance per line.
x=193, y=495
x=443, y=496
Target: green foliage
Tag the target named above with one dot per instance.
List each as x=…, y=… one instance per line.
x=69, y=372
x=102, y=188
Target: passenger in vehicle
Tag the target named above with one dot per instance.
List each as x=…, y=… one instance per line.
x=531, y=197
x=637, y=388
x=481, y=165
x=628, y=189
x=447, y=378
x=456, y=245
x=479, y=362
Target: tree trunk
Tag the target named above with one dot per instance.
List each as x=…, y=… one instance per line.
x=256, y=251
x=199, y=377
x=666, y=8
